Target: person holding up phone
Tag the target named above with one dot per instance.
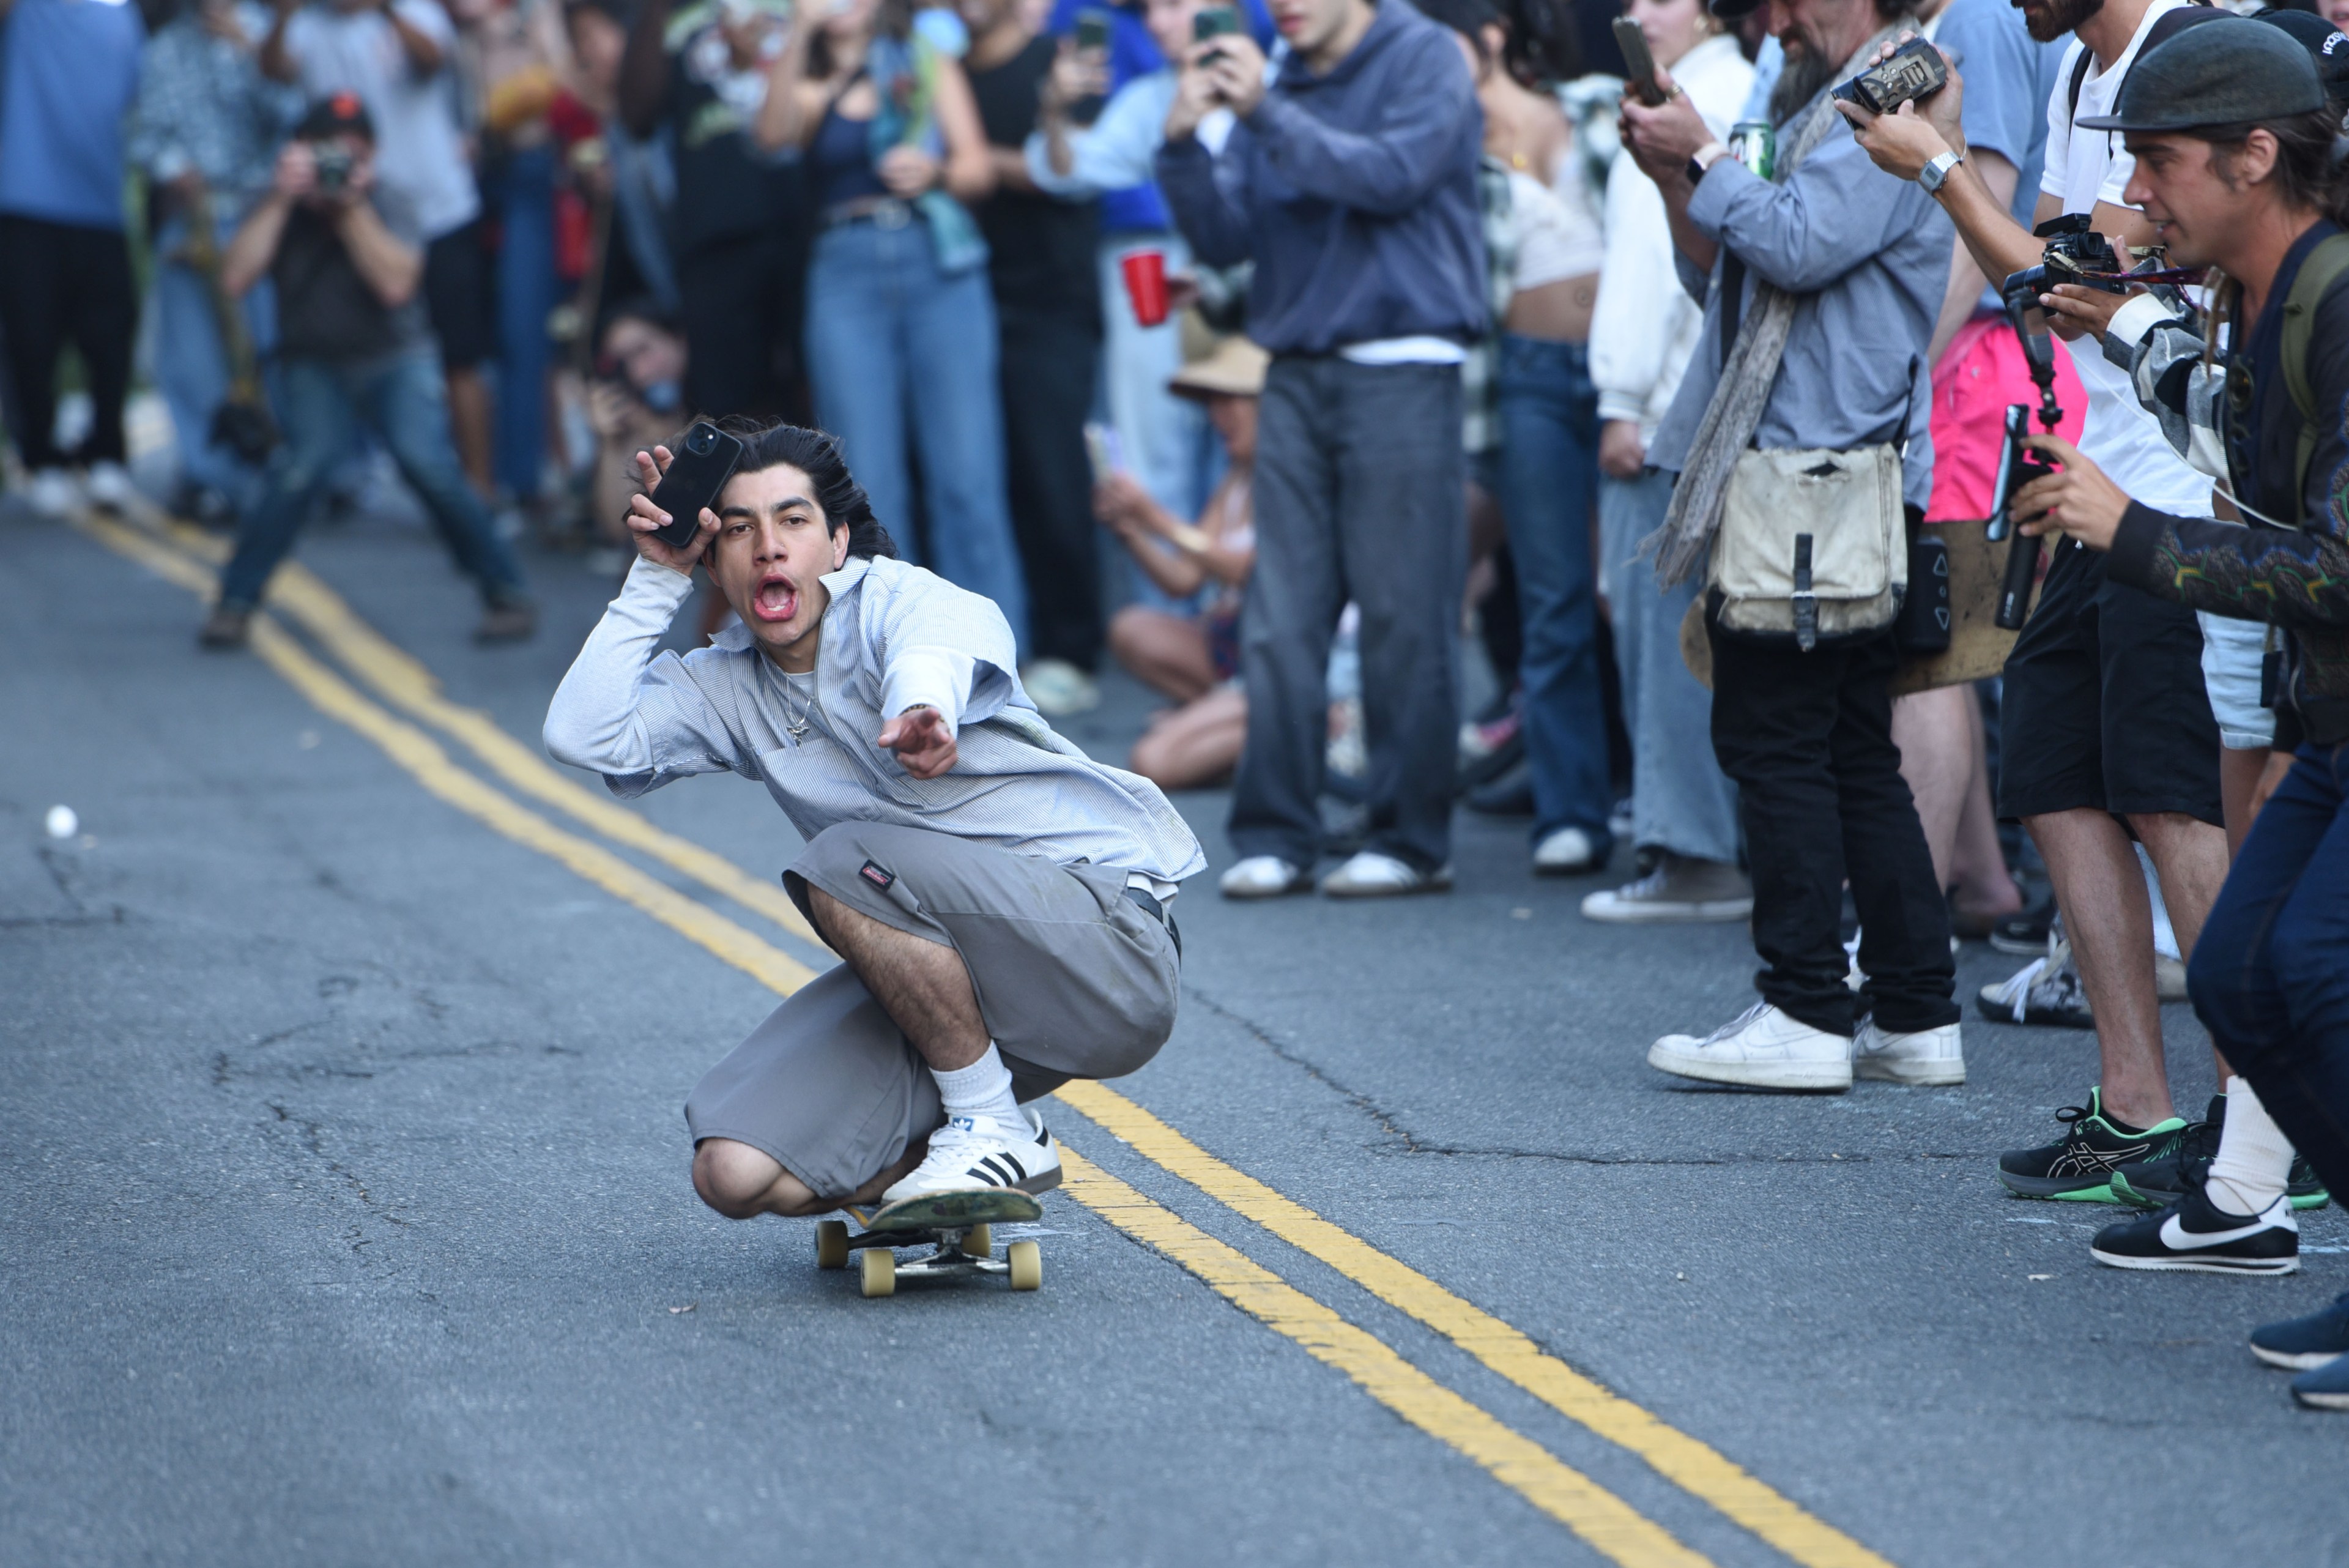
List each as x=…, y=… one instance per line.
x=1000, y=900
x=349, y=263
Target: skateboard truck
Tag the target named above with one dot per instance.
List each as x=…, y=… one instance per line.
x=958, y=1227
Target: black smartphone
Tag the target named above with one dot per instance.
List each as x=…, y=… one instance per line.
x=704, y=461
x=1214, y=23
x=1638, y=64
x=1092, y=29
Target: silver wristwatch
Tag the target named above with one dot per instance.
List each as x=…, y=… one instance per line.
x=1933, y=174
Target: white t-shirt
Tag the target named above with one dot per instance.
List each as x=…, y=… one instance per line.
x=2119, y=436
x=419, y=152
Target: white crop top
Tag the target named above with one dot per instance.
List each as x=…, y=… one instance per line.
x=1559, y=231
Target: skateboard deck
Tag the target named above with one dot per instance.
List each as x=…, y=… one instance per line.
x=955, y=1226
x=1977, y=647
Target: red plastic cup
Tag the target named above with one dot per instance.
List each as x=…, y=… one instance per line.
x=1145, y=286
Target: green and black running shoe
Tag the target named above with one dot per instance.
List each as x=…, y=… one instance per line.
x=2080, y=1167
x=2158, y=1183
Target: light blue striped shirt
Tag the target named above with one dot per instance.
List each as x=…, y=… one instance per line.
x=893, y=635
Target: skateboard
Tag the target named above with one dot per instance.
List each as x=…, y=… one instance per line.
x=955, y=1226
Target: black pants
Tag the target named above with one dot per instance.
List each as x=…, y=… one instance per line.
x=1808, y=739
x=61, y=283
x=1360, y=493
x=1047, y=371
x=740, y=301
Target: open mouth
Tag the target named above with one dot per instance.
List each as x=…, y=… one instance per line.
x=776, y=600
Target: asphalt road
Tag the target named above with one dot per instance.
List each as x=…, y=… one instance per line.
x=343, y=1215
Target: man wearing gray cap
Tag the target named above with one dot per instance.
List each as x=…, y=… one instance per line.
x=2236, y=169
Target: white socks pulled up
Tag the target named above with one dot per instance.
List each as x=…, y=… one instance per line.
x=981, y=1089
x=2255, y=1158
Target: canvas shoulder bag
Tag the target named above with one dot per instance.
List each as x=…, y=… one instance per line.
x=1813, y=544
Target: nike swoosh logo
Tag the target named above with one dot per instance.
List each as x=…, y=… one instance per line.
x=2178, y=1239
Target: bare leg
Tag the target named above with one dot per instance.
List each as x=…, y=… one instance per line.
x=1167, y=653
x=1197, y=744
x=2101, y=890
x=1985, y=886
x=741, y=1183
x=921, y=985
x=1930, y=728
x=2190, y=856
x=469, y=422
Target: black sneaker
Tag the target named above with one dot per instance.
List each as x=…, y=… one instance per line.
x=2196, y=1235
x=2025, y=935
x=2158, y=1183
x=2080, y=1167
x=2298, y=1343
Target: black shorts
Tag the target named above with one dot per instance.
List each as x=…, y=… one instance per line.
x=2104, y=707
x=459, y=297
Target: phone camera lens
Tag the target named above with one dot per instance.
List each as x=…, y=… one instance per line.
x=702, y=441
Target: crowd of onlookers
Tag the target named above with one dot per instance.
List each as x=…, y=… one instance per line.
x=1276, y=352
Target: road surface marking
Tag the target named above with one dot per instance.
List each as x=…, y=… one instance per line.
x=1609, y=1525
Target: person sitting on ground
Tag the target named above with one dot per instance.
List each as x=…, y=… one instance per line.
x=999, y=899
x=354, y=350
x=1195, y=660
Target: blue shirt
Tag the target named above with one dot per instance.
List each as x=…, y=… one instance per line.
x=71, y=75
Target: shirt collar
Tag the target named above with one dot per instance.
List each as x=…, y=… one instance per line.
x=737, y=638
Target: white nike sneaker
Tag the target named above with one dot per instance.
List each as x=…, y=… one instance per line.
x=974, y=1153
x=108, y=487
x=1928, y=1057
x=1371, y=875
x=1761, y=1048
x=1263, y=877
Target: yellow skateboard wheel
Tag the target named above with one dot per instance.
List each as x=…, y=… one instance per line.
x=880, y=1271
x=1026, y=1261
x=831, y=1243
x=978, y=1241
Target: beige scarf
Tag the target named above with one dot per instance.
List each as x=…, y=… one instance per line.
x=1751, y=367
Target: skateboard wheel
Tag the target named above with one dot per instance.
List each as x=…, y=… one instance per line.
x=831, y=1243
x=1026, y=1261
x=978, y=1241
x=880, y=1271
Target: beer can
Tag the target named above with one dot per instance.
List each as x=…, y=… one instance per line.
x=1755, y=143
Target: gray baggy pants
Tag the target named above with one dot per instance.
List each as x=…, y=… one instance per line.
x=1073, y=978
x=1360, y=495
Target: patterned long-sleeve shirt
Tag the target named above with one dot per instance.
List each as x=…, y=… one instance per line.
x=2290, y=566
x=204, y=106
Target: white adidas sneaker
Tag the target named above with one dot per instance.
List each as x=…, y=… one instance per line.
x=1761, y=1048
x=975, y=1153
x=1926, y=1057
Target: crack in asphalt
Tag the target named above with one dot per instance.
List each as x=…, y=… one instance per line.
x=313, y=1138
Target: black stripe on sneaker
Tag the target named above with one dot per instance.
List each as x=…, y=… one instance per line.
x=987, y=1168
x=1018, y=1171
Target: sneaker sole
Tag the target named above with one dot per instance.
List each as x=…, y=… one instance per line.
x=1387, y=892
x=2003, y=1012
x=2155, y=1197
x=1918, y=1075
x=1672, y=914
x=2323, y=1401
x=2296, y=1360
x=2015, y=947
x=2197, y=1263
x=1823, y=1077
x=2055, y=1189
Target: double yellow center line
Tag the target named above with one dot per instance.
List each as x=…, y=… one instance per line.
x=186, y=558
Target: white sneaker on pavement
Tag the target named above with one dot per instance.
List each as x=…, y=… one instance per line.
x=1680, y=889
x=975, y=1153
x=1761, y=1048
x=53, y=493
x=108, y=487
x=1567, y=851
x=1263, y=877
x=1371, y=875
x=1929, y=1056
x=1059, y=689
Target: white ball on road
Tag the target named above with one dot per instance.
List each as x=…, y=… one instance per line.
x=62, y=821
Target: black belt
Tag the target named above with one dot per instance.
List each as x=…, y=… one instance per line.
x=880, y=211
x=1150, y=904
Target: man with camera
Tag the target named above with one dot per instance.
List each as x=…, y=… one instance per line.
x=2233, y=147
x=1796, y=480
x=2108, y=734
x=1350, y=181
x=353, y=348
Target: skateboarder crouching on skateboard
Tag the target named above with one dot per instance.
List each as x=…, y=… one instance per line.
x=999, y=899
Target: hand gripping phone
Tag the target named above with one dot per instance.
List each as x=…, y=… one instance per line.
x=704, y=462
x=1638, y=64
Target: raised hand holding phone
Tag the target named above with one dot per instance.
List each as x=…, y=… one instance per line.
x=651, y=527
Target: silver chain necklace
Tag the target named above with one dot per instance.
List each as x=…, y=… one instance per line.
x=795, y=728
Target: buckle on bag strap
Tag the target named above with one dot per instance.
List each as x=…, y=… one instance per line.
x=1807, y=603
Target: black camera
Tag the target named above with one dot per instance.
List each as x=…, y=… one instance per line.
x=2074, y=253
x=1914, y=70
x=332, y=161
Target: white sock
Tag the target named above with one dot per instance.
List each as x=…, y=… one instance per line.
x=2254, y=1158
x=2165, y=938
x=981, y=1089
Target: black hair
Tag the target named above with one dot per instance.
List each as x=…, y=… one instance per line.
x=2308, y=170
x=891, y=18
x=619, y=11
x=643, y=307
x=817, y=455
x=1469, y=18
x=1543, y=48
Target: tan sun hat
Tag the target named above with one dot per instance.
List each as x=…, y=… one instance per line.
x=1232, y=366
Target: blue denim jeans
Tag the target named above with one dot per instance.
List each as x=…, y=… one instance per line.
x=191, y=366
x=401, y=400
x=1680, y=800
x=1550, y=475
x=889, y=334
x=525, y=194
x=2270, y=975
